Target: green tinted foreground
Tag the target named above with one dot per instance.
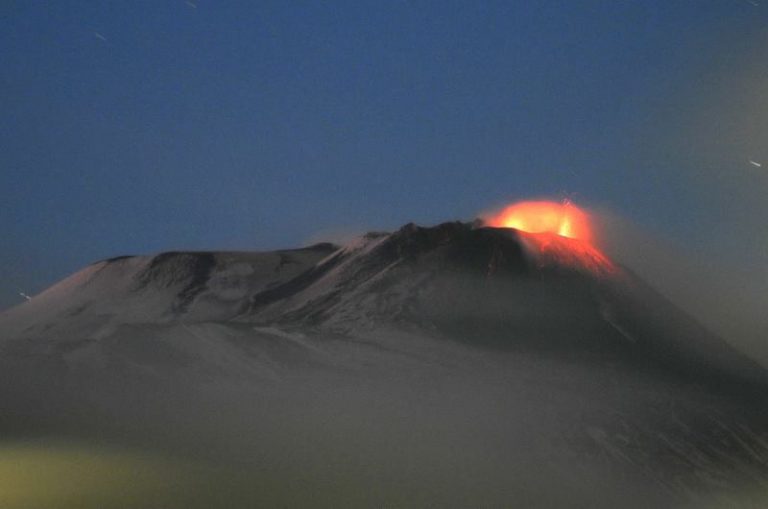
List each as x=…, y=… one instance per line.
x=72, y=477
x=78, y=477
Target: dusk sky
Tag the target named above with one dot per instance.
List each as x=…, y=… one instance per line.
x=143, y=126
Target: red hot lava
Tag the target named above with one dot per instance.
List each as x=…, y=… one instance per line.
x=560, y=233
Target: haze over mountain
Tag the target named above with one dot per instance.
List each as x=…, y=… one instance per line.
x=457, y=365
x=611, y=360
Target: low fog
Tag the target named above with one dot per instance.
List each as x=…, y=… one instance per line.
x=347, y=425
x=723, y=286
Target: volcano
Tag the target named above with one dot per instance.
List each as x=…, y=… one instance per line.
x=455, y=365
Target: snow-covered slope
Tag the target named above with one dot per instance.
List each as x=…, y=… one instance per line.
x=520, y=353
x=166, y=288
x=499, y=286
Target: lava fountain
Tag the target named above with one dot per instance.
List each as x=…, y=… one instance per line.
x=559, y=233
x=564, y=219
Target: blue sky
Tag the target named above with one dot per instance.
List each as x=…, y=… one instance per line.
x=137, y=127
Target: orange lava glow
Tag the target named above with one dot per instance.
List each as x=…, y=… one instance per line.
x=564, y=219
x=559, y=234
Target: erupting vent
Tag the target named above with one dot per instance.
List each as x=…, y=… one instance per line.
x=558, y=233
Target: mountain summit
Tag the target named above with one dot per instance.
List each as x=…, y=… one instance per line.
x=484, y=285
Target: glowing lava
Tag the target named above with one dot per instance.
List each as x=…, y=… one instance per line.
x=564, y=219
x=558, y=233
